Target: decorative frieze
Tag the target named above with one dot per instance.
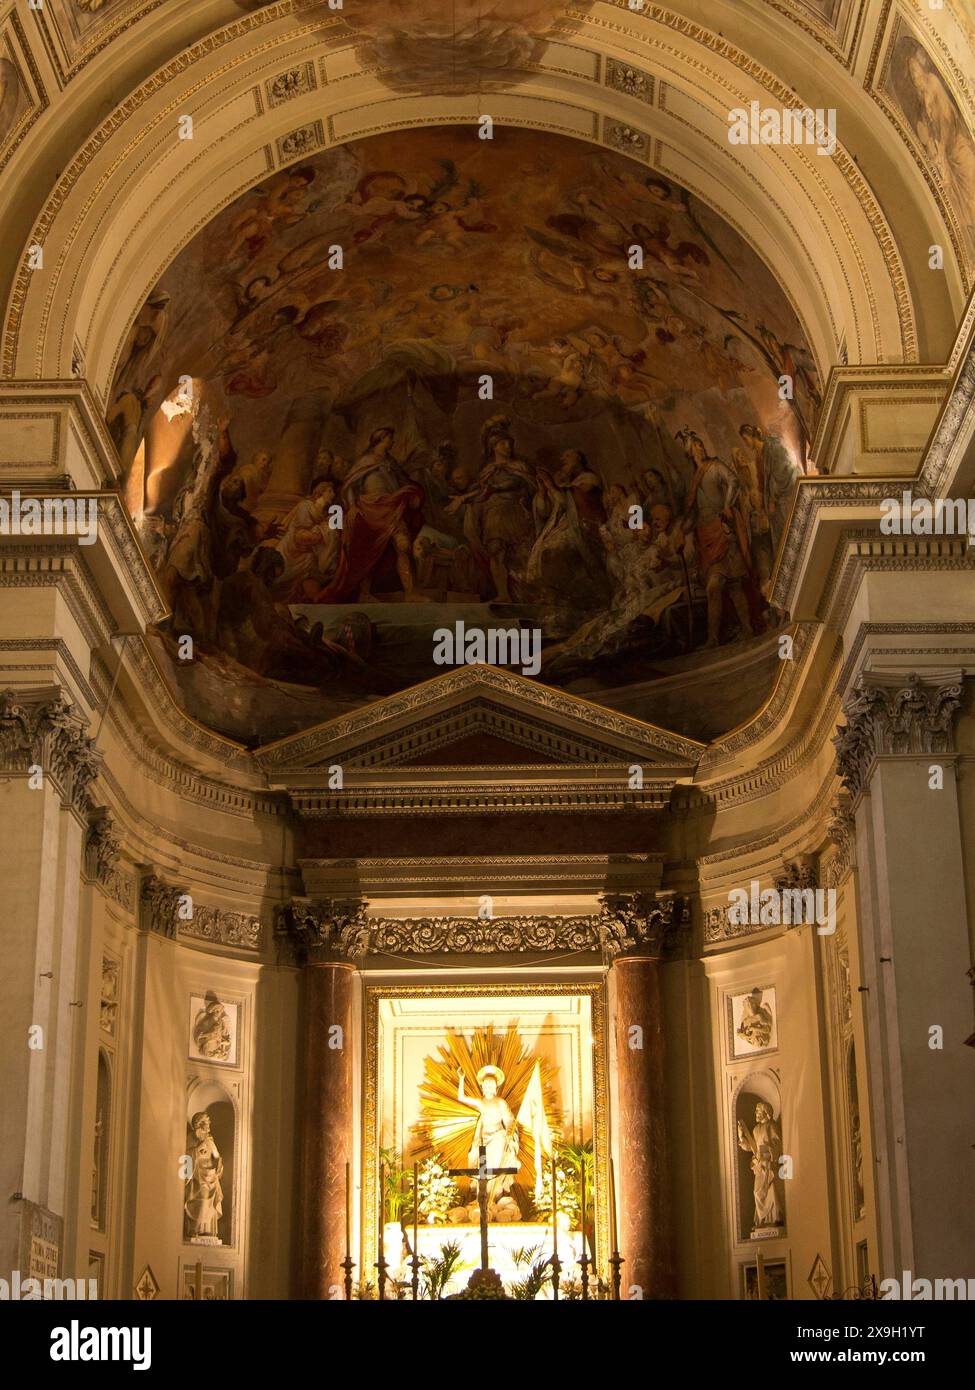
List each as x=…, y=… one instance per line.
x=239, y=929
x=42, y=730
x=171, y=912
x=637, y=923
x=891, y=715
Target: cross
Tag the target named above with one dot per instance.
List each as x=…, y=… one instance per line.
x=482, y=1172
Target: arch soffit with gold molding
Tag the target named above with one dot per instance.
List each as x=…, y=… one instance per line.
x=134, y=194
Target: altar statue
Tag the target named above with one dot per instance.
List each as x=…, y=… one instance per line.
x=497, y=1130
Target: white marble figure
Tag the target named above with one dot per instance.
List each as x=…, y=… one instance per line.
x=203, y=1200
x=497, y=1130
x=764, y=1143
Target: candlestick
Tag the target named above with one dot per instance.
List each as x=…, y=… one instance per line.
x=348, y=1209
x=381, y=1262
x=584, y=1261
x=615, y=1259
x=415, y=1262
x=556, y=1262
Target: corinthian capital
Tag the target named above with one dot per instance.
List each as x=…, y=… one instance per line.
x=890, y=714
x=326, y=930
x=643, y=924
x=41, y=729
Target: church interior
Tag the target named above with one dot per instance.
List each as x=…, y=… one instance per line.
x=488, y=648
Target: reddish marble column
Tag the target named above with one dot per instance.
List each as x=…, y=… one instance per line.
x=643, y=1180
x=327, y=1125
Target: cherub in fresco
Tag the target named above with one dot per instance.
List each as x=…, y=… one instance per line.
x=681, y=260
x=572, y=269
x=280, y=202
x=380, y=199
x=450, y=227
x=567, y=382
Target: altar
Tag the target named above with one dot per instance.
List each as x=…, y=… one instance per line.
x=484, y=1094
x=513, y=1251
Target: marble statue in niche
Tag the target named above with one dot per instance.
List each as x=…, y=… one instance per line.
x=856, y=1135
x=203, y=1197
x=764, y=1142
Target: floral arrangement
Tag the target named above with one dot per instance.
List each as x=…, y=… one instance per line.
x=566, y=1194
x=436, y=1192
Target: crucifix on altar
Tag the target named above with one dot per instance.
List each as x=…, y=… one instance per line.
x=483, y=1174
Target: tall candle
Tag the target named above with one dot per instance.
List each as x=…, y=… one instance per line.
x=612, y=1206
x=555, y=1215
x=416, y=1208
x=382, y=1205
x=348, y=1209
x=582, y=1215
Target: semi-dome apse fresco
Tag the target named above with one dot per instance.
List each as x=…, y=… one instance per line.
x=449, y=346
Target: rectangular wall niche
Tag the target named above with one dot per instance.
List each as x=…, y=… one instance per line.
x=549, y=1042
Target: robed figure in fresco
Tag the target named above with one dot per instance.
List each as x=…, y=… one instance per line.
x=382, y=517
x=496, y=1129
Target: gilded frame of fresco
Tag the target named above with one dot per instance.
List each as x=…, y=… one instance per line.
x=374, y=994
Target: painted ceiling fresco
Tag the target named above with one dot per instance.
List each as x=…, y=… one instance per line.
x=490, y=413
x=427, y=45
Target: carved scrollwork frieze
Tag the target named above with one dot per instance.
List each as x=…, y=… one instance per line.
x=333, y=930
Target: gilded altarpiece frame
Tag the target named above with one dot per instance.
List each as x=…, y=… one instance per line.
x=593, y=990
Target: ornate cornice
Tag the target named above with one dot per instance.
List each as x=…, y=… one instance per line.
x=888, y=715
x=332, y=930
x=41, y=729
x=931, y=480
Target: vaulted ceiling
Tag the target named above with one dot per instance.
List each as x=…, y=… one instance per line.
x=158, y=148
